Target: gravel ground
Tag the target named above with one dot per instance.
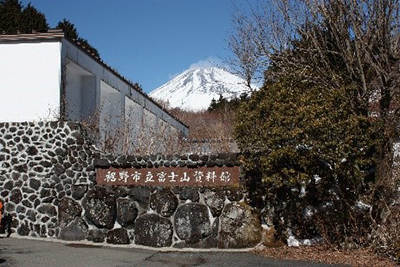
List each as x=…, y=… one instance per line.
x=322, y=254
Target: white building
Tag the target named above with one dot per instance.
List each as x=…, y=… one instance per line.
x=45, y=76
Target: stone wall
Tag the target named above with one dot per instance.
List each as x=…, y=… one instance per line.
x=48, y=184
x=40, y=164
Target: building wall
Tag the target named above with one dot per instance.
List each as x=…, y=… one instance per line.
x=133, y=116
x=49, y=184
x=111, y=111
x=30, y=80
x=80, y=85
x=73, y=57
x=150, y=121
x=46, y=77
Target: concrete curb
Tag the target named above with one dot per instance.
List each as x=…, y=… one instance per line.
x=130, y=246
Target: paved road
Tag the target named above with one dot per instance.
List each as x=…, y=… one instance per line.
x=30, y=252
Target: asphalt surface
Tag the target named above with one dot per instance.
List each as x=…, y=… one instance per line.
x=36, y=252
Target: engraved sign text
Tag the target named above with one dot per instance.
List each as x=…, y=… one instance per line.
x=171, y=176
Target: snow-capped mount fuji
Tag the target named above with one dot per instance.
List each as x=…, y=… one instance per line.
x=195, y=88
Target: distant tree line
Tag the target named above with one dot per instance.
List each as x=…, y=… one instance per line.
x=72, y=33
x=223, y=104
x=15, y=18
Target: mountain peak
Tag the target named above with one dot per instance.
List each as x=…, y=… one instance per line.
x=195, y=88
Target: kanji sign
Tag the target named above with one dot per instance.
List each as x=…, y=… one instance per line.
x=172, y=176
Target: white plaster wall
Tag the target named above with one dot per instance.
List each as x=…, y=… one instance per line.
x=133, y=117
x=73, y=94
x=164, y=128
x=150, y=120
x=88, y=97
x=105, y=75
x=30, y=80
x=80, y=86
x=110, y=111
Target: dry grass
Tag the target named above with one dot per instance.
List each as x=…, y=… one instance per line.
x=210, y=133
x=206, y=124
x=210, y=130
x=324, y=254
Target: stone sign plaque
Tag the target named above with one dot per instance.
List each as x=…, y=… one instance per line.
x=169, y=177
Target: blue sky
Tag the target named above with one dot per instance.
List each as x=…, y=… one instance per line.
x=148, y=41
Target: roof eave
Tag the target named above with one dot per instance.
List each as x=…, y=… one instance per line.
x=50, y=35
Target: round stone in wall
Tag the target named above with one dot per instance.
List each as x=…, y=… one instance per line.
x=118, y=236
x=58, y=169
x=68, y=210
x=192, y=222
x=141, y=195
x=76, y=230
x=16, y=196
x=96, y=235
x=126, y=212
x=23, y=229
x=234, y=194
x=34, y=184
x=215, y=201
x=9, y=185
x=153, y=230
x=164, y=202
x=78, y=191
x=32, y=151
x=100, y=207
x=240, y=226
x=189, y=193
x=47, y=209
